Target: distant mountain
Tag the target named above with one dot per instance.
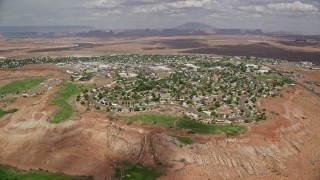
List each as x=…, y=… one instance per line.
x=194, y=25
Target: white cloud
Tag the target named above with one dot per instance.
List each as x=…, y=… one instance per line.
x=292, y=7
x=163, y=13
x=150, y=9
x=102, y=4
x=172, y=6
x=191, y=4
x=227, y=6
x=252, y=8
x=106, y=13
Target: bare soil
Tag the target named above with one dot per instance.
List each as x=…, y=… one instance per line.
x=263, y=50
x=313, y=75
x=237, y=45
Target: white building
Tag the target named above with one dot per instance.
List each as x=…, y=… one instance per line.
x=191, y=115
x=263, y=71
x=253, y=66
x=103, y=66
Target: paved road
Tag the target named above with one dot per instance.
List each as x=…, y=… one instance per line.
x=304, y=86
x=243, y=106
x=296, y=82
x=245, y=97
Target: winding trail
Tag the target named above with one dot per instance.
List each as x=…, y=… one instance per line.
x=245, y=97
x=143, y=148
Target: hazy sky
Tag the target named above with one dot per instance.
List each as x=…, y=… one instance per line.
x=303, y=15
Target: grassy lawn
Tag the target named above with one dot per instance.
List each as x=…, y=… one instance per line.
x=20, y=85
x=151, y=118
x=11, y=173
x=198, y=127
x=8, y=100
x=184, y=140
x=3, y=113
x=184, y=123
x=274, y=78
x=61, y=100
x=135, y=172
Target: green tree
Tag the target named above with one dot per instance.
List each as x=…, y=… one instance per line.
x=217, y=104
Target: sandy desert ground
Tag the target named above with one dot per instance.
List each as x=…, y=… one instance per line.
x=233, y=45
x=286, y=146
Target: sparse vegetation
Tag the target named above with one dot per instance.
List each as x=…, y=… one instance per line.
x=8, y=100
x=20, y=86
x=135, y=172
x=10, y=173
x=184, y=123
x=3, y=113
x=261, y=117
x=183, y=139
x=201, y=128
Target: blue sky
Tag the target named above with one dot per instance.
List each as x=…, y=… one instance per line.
x=273, y=15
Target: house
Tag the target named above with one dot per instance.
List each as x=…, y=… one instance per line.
x=160, y=68
x=191, y=66
x=265, y=68
x=25, y=95
x=123, y=75
x=252, y=66
x=127, y=75
x=104, y=67
x=262, y=71
x=69, y=72
x=207, y=112
x=306, y=64
x=192, y=115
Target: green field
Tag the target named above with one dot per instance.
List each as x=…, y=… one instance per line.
x=150, y=118
x=198, y=127
x=3, y=113
x=61, y=100
x=184, y=140
x=184, y=123
x=274, y=78
x=20, y=85
x=11, y=173
x=8, y=100
x=128, y=171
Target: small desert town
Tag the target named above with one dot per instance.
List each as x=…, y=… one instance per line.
x=184, y=102
x=207, y=89
x=159, y=90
